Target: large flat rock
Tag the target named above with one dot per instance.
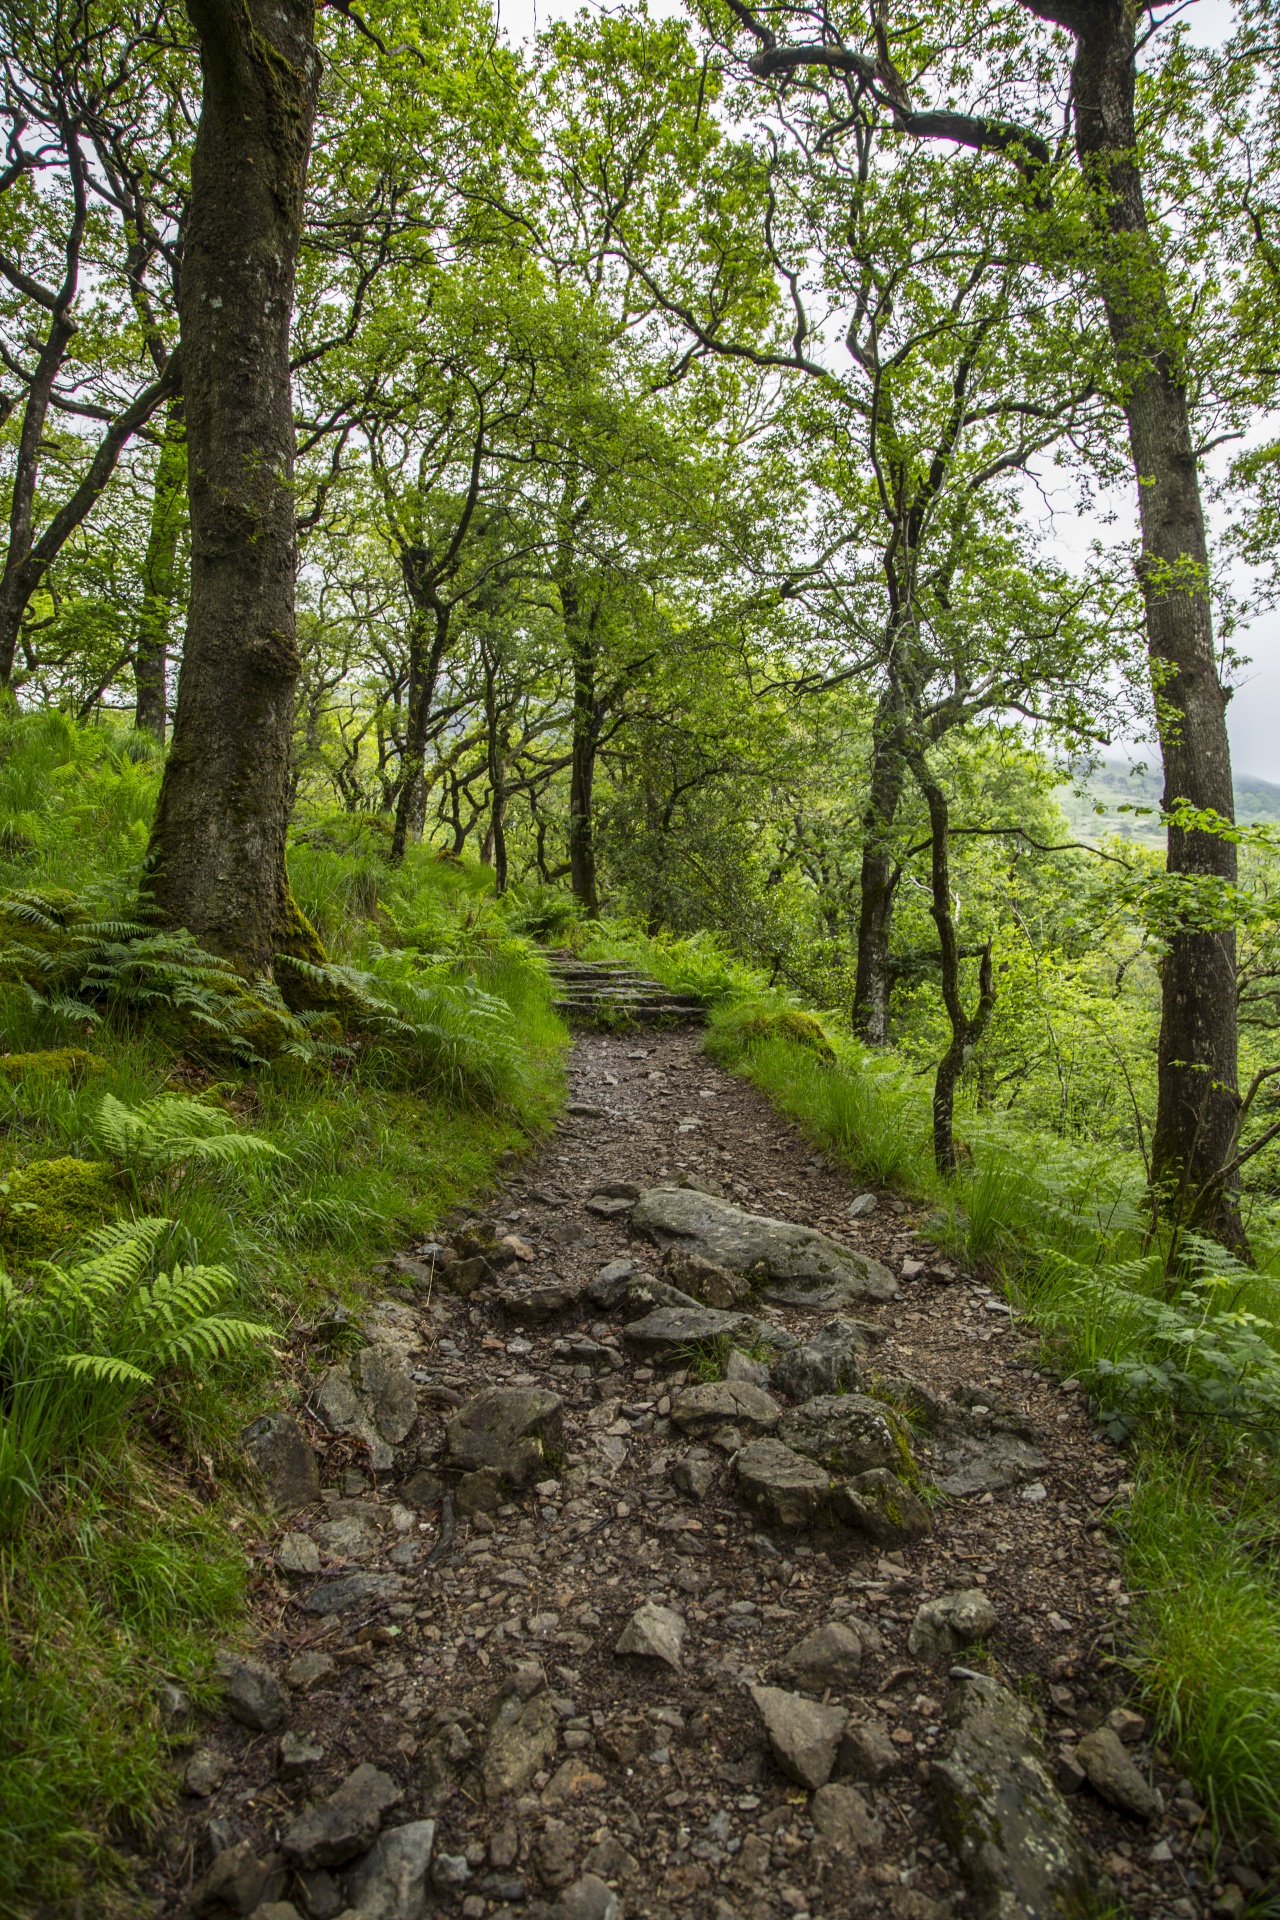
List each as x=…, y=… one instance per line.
x=669, y=1332
x=988, y=1463
x=848, y=1433
x=1002, y=1814
x=804, y=1263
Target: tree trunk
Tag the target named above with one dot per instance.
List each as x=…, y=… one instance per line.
x=159, y=578
x=879, y=879
x=966, y=1029
x=411, y=800
x=217, y=852
x=582, y=774
x=1197, y=1070
x=495, y=743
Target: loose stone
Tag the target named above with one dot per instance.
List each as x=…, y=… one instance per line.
x=805, y=1737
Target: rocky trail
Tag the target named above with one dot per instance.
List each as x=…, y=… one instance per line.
x=648, y=1552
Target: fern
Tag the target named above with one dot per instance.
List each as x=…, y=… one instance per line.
x=171, y=1132
x=83, y=1339
x=109, y=1319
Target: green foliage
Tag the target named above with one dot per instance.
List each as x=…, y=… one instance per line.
x=108, y=1598
x=1208, y=1624
x=1198, y=1356
x=751, y=1024
x=50, y=1203
x=79, y=1341
x=172, y=1132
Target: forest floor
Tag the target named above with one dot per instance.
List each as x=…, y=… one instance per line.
x=662, y=1783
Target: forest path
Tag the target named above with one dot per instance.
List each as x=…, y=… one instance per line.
x=658, y=1779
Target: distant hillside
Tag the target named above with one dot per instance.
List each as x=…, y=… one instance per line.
x=1114, y=785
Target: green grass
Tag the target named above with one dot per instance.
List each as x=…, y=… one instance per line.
x=1202, y=1554
x=108, y=1597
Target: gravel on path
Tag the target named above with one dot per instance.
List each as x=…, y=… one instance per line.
x=653, y=1772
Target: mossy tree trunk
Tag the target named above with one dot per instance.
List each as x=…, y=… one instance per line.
x=217, y=856
x=160, y=578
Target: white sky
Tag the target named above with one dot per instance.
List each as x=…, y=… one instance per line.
x=1254, y=714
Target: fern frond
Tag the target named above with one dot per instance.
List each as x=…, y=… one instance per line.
x=107, y=1368
x=213, y=1338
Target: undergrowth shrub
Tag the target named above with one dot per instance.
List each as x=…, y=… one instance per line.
x=172, y=1132
x=80, y=1341
x=749, y=1024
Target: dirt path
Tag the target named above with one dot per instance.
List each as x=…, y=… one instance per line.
x=659, y=1780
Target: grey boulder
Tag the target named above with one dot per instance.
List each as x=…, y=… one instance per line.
x=1112, y=1774
x=740, y=1366
x=390, y=1883
x=988, y=1463
x=386, y=1388
x=702, y=1410
x=884, y=1508
x=847, y=1433
x=706, y=1280
x=693, y=1475
x=251, y=1693
x=941, y=1627
x=353, y=1590
x=236, y=1881
x=843, y=1819
x=828, y=1362
x=631, y=1295
x=589, y=1898
x=285, y=1459
x=337, y=1829
x=805, y=1737
x=830, y=1656
x=1003, y=1817
x=343, y=1411
x=776, y=1252
x=668, y=1332
x=784, y=1488
x=867, y=1753
x=510, y=1429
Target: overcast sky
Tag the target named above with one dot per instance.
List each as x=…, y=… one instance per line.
x=1254, y=713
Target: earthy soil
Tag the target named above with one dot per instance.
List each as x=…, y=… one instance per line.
x=672, y=1765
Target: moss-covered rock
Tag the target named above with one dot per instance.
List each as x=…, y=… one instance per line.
x=57, y=1063
x=785, y=1023
x=48, y=1204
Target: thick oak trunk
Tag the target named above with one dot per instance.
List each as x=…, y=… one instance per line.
x=1197, y=1074
x=160, y=578
x=218, y=842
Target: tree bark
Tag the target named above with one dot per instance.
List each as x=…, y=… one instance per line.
x=966, y=1029
x=159, y=578
x=495, y=749
x=411, y=800
x=582, y=770
x=879, y=879
x=1197, y=1094
x=217, y=854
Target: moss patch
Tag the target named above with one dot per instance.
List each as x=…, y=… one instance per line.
x=58, y=1063
x=50, y=1203
x=785, y=1023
